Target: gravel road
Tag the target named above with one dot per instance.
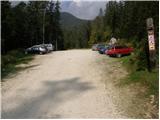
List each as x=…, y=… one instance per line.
x=64, y=84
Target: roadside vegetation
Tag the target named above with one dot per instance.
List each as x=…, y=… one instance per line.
x=149, y=79
x=10, y=61
x=147, y=83
x=126, y=21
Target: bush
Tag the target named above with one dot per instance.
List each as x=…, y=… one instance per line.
x=11, y=59
x=141, y=60
x=137, y=66
x=149, y=79
x=8, y=59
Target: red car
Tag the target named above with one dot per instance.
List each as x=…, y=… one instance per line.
x=118, y=51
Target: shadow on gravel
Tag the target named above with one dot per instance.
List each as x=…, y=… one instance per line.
x=53, y=94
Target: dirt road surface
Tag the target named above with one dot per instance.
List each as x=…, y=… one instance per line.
x=65, y=84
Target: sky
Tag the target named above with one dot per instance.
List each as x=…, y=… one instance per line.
x=84, y=9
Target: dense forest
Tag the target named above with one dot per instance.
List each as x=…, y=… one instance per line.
x=36, y=22
x=76, y=31
x=31, y=23
x=126, y=21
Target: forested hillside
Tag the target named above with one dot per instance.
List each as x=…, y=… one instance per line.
x=68, y=21
x=76, y=31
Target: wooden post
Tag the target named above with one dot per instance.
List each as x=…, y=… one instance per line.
x=151, y=44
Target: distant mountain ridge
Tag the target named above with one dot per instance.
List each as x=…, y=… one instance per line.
x=69, y=21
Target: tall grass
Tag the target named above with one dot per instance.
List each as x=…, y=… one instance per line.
x=11, y=59
x=143, y=76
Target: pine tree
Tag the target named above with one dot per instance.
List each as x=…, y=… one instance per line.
x=6, y=28
x=58, y=32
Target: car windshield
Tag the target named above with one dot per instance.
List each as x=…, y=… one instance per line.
x=101, y=45
x=35, y=48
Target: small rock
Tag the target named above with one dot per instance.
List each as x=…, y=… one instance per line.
x=152, y=99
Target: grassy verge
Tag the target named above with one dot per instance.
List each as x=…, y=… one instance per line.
x=148, y=79
x=11, y=59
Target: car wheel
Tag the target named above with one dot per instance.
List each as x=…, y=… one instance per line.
x=40, y=53
x=119, y=55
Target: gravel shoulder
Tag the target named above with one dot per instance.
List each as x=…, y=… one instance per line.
x=67, y=84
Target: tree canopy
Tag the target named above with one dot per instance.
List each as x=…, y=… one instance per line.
x=22, y=25
x=126, y=20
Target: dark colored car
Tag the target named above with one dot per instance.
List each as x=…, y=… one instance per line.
x=119, y=51
x=103, y=49
x=36, y=49
x=99, y=46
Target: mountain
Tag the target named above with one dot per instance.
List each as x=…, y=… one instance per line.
x=68, y=21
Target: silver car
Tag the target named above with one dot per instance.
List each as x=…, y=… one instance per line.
x=50, y=47
x=36, y=49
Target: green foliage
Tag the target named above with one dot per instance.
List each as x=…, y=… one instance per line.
x=76, y=31
x=97, y=31
x=126, y=20
x=22, y=25
x=149, y=79
x=5, y=21
x=76, y=37
x=34, y=12
x=11, y=59
x=68, y=21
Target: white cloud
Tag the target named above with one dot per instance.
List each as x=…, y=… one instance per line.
x=83, y=9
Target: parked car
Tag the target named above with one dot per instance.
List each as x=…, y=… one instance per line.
x=119, y=51
x=50, y=47
x=36, y=49
x=103, y=49
x=94, y=47
x=99, y=46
